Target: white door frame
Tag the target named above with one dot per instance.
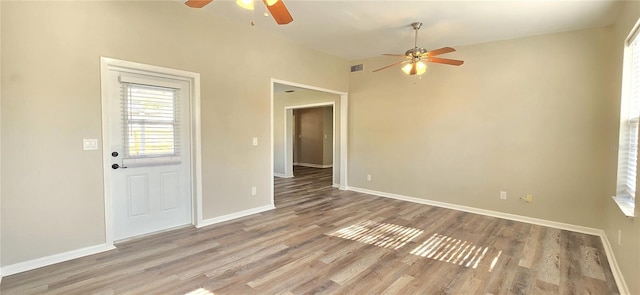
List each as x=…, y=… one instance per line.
x=344, y=103
x=107, y=64
x=288, y=135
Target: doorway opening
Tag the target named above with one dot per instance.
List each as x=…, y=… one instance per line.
x=309, y=132
x=324, y=107
x=310, y=140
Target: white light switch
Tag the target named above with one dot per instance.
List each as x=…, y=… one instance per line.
x=255, y=141
x=90, y=144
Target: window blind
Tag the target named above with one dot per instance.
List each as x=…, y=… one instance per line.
x=150, y=120
x=628, y=154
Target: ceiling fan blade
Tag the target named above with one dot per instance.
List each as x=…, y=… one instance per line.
x=391, y=65
x=398, y=55
x=197, y=3
x=453, y=62
x=442, y=50
x=279, y=12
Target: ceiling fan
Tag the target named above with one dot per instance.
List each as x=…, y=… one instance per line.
x=415, y=58
x=276, y=7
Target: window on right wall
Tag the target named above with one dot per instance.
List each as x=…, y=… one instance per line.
x=629, y=123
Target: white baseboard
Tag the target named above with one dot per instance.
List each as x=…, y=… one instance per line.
x=312, y=165
x=57, y=258
x=613, y=264
x=235, y=215
x=615, y=269
x=543, y=222
x=280, y=175
x=53, y=259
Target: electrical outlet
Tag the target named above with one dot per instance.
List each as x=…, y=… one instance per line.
x=529, y=198
x=503, y=195
x=368, y=177
x=254, y=191
x=255, y=141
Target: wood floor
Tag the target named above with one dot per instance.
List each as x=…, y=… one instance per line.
x=321, y=240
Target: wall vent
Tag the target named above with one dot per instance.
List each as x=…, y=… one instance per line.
x=357, y=68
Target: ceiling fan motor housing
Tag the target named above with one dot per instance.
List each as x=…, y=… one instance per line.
x=416, y=52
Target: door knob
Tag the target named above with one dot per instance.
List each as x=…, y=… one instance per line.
x=114, y=154
x=116, y=166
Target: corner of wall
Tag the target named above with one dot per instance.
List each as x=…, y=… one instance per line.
x=623, y=288
x=623, y=252
x=0, y=144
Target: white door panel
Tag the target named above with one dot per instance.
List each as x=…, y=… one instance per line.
x=137, y=196
x=149, y=193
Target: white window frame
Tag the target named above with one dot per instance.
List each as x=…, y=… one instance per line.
x=629, y=121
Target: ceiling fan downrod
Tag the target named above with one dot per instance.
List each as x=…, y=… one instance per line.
x=416, y=52
x=416, y=26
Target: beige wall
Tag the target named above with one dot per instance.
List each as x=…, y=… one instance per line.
x=301, y=98
x=51, y=100
x=628, y=253
x=523, y=116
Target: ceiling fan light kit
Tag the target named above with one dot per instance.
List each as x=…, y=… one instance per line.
x=416, y=57
x=246, y=4
x=415, y=68
x=278, y=10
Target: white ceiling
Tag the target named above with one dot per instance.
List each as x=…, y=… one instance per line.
x=359, y=29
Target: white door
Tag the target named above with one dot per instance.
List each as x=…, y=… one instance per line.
x=150, y=153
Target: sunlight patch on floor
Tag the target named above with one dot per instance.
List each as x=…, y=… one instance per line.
x=448, y=249
x=384, y=235
x=200, y=291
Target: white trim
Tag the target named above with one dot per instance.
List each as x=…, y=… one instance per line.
x=196, y=150
x=235, y=215
x=613, y=264
x=543, y=222
x=312, y=165
x=311, y=105
x=136, y=80
x=271, y=161
x=106, y=161
x=195, y=135
x=280, y=175
x=53, y=259
x=344, y=120
x=634, y=33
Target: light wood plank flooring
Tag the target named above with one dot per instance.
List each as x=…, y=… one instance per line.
x=321, y=240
